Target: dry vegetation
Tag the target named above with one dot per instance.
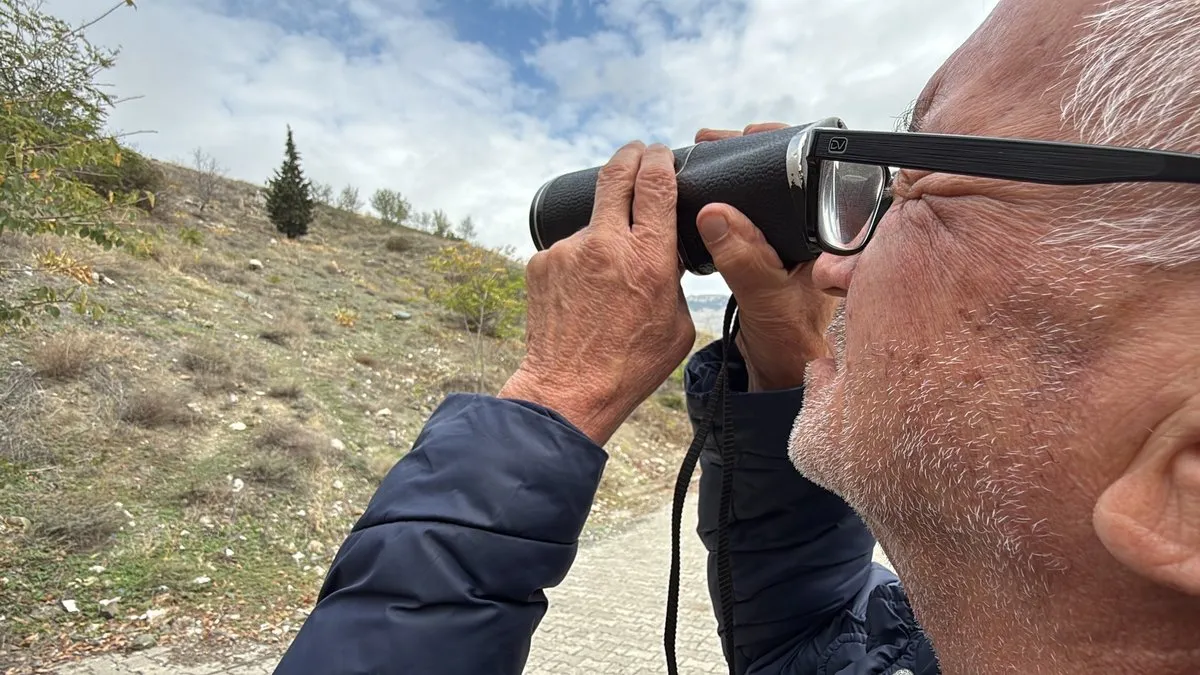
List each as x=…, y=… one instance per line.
x=187, y=466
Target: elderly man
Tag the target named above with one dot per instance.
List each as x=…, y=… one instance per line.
x=1014, y=407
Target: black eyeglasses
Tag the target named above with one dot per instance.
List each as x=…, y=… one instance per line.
x=848, y=174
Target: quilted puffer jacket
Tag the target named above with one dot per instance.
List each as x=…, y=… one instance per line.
x=444, y=573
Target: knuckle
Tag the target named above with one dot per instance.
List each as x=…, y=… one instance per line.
x=615, y=175
x=657, y=179
x=538, y=265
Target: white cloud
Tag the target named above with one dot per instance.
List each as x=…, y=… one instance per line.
x=382, y=94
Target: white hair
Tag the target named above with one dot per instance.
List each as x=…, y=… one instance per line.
x=1138, y=85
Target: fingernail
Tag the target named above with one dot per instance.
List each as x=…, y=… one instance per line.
x=713, y=227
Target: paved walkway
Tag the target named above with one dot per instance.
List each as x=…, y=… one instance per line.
x=606, y=617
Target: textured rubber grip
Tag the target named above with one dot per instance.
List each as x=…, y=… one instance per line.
x=747, y=172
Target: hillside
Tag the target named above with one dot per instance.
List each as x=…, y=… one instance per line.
x=184, y=468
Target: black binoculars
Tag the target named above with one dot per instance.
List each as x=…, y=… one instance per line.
x=803, y=206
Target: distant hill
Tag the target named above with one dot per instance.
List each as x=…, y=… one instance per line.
x=708, y=312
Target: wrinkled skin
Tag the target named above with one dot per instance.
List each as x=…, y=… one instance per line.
x=1018, y=424
x=607, y=318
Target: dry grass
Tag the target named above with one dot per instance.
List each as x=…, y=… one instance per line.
x=368, y=360
x=66, y=356
x=289, y=453
x=672, y=400
x=294, y=441
x=204, y=491
x=216, y=269
x=20, y=406
x=288, y=391
x=216, y=368
x=156, y=407
x=470, y=383
x=285, y=330
x=73, y=524
x=398, y=244
x=275, y=471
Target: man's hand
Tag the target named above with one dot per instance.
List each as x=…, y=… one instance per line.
x=783, y=316
x=608, y=321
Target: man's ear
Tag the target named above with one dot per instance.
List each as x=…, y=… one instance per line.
x=1149, y=518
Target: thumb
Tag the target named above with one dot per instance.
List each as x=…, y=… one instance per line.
x=740, y=251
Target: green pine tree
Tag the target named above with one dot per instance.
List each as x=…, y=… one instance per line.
x=290, y=195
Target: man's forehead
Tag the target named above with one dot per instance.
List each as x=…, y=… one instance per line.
x=996, y=83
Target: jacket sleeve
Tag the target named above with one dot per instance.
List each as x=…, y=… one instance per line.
x=445, y=570
x=799, y=554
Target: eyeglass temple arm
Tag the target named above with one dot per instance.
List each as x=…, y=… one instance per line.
x=1006, y=159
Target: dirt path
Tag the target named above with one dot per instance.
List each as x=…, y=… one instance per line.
x=605, y=618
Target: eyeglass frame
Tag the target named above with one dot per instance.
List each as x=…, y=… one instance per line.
x=1024, y=160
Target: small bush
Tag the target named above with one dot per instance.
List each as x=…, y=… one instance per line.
x=155, y=408
x=206, y=359
x=191, y=236
x=135, y=173
x=398, y=244
x=288, y=391
x=204, y=491
x=345, y=317
x=21, y=436
x=73, y=525
x=65, y=357
x=471, y=382
x=296, y=442
x=485, y=292
x=284, y=330
x=368, y=361
x=274, y=471
x=216, y=368
x=393, y=209
x=672, y=400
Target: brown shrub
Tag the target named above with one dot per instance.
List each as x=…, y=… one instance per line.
x=293, y=441
x=204, y=491
x=274, y=471
x=73, y=524
x=287, y=390
x=368, y=360
x=65, y=356
x=21, y=437
x=217, y=368
x=284, y=330
x=156, y=407
x=398, y=244
x=206, y=358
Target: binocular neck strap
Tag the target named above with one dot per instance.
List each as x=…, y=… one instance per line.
x=718, y=401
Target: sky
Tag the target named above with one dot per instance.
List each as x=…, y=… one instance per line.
x=470, y=105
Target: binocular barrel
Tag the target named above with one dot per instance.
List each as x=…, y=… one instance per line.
x=755, y=174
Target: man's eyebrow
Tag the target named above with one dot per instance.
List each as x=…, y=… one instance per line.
x=913, y=117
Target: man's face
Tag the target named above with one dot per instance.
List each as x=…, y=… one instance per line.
x=974, y=401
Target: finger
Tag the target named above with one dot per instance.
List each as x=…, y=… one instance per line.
x=654, y=197
x=740, y=251
x=715, y=134
x=763, y=126
x=614, y=189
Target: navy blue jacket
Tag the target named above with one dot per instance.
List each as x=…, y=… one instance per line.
x=445, y=571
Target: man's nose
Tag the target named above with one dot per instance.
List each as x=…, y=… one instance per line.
x=832, y=273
